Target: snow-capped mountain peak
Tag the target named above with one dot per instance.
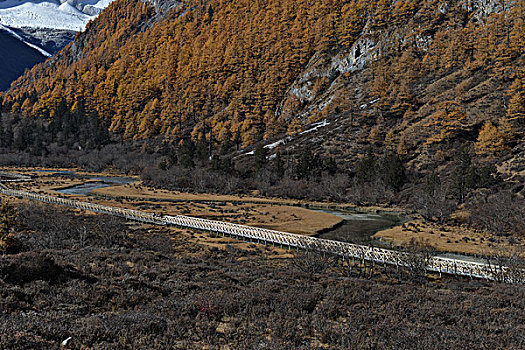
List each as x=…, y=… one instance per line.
x=42, y=27
x=39, y=49
x=50, y=14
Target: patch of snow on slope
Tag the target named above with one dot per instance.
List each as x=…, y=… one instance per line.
x=364, y=105
x=315, y=126
x=277, y=143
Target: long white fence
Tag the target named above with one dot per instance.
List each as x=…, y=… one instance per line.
x=13, y=177
x=285, y=239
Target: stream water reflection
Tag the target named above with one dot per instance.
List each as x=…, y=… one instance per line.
x=359, y=228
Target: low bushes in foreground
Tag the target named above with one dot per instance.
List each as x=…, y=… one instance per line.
x=153, y=288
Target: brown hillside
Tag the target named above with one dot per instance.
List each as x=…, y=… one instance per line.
x=232, y=67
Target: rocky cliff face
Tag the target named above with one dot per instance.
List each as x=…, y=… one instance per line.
x=331, y=69
x=163, y=6
x=50, y=40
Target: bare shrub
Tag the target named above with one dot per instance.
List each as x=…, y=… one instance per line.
x=507, y=265
x=502, y=213
x=26, y=267
x=416, y=261
x=312, y=261
x=56, y=227
x=290, y=188
x=8, y=242
x=434, y=206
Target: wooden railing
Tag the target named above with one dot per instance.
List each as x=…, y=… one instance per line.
x=13, y=177
x=285, y=239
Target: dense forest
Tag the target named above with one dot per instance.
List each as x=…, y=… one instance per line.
x=226, y=66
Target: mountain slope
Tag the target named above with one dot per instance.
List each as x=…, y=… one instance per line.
x=391, y=75
x=15, y=57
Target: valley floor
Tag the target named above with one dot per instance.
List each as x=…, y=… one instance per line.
x=109, y=284
x=274, y=213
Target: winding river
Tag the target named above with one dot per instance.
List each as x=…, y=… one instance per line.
x=359, y=228
x=94, y=183
x=356, y=228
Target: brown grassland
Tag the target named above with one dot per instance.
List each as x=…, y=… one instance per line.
x=273, y=213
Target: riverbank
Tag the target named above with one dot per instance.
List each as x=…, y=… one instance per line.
x=303, y=217
x=279, y=215
x=448, y=238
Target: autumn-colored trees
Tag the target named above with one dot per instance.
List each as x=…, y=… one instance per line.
x=7, y=227
x=490, y=140
x=227, y=65
x=218, y=63
x=516, y=108
x=445, y=122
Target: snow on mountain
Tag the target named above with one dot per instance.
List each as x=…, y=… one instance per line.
x=50, y=14
x=41, y=27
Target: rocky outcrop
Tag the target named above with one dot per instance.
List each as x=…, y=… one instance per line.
x=163, y=6
x=51, y=40
x=304, y=97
